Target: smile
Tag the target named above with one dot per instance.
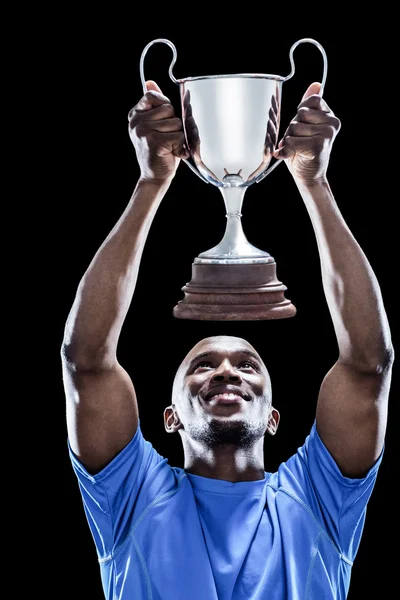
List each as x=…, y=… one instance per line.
x=227, y=394
x=226, y=398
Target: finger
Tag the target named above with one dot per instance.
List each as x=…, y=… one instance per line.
x=191, y=126
x=271, y=131
x=273, y=117
x=192, y=134
x=188, y=111
x=163, y=111
x=297, y=129
x=274, y=106
x=186, y=99
x=269, y=146
x=312, y=89
x=296, y=145
x=169, y=142
x=311, y=115
x=163, y=126
x=315, y=101
x=150, y=100
x=152, y=86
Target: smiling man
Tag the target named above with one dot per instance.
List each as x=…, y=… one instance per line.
x=222, y=410
x=222, y=527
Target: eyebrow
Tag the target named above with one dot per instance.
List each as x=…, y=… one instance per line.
x=210, y=353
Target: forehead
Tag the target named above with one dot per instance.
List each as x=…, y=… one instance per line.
x=221, y=345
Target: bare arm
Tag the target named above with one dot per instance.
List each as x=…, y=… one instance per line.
x=102, y=411
x=353, y=400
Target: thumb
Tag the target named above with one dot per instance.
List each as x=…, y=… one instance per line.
x=152, y=86
x=314, y=88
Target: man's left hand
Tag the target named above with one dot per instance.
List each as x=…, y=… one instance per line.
x=307, y=143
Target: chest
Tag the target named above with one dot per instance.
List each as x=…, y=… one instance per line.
x=227, y=547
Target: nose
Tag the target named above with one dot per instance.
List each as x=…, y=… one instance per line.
x=226, y=372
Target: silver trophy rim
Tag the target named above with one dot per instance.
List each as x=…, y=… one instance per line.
x=233, y=75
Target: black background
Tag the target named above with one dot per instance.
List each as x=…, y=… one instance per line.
x=95, y=85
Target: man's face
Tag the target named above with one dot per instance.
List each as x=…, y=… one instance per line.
x=222, y=394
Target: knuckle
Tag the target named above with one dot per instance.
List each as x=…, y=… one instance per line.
x=331, y=131
x=140, y=128
x=303, y=112
x=313, y=101
x=136, y=119
x=286, y=151
x=336, y=123
x=168, y=110
x=152, y=95
x=190, y=122
x=287, y=141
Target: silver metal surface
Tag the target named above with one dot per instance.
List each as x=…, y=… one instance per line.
x=234, y=246
x=231, y=125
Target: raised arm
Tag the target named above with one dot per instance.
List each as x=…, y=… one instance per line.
x=102, y=412
x=352, y=404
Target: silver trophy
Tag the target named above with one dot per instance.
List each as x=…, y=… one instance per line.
x=231, y=125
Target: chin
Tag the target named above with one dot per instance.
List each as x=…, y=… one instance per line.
x=238, y=432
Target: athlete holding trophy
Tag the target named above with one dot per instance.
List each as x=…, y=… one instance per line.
x=223, y=527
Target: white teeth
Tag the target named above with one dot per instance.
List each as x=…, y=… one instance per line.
x=227, y=396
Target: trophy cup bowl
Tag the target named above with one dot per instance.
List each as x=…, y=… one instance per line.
x=231, y=126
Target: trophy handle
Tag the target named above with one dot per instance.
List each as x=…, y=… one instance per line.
x=143, y=80
x=175, y=55
x=311, y=41
x=292, y=49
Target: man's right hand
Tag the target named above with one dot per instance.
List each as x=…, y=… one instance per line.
x=157, y=136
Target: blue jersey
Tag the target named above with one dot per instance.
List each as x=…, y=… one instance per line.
x=164, y=534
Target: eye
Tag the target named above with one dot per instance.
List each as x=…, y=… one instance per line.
x=248, y=365
x=205, y=364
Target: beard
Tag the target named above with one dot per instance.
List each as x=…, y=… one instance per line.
x=215, y=433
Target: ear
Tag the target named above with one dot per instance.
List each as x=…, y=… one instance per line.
x=152, y=86
x=273, y=421
x=171, y=420
x=314, y=88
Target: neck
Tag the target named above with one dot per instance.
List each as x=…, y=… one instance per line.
x=226, y=462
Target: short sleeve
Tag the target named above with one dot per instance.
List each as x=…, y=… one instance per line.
x=115, y=496
x=339, y=503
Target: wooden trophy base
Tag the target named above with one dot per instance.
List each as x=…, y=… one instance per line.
x=234, y=292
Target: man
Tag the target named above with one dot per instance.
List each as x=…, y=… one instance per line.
x=222, y=527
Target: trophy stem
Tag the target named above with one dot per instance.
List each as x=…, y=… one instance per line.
x=233, y=199
x=234, y=246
